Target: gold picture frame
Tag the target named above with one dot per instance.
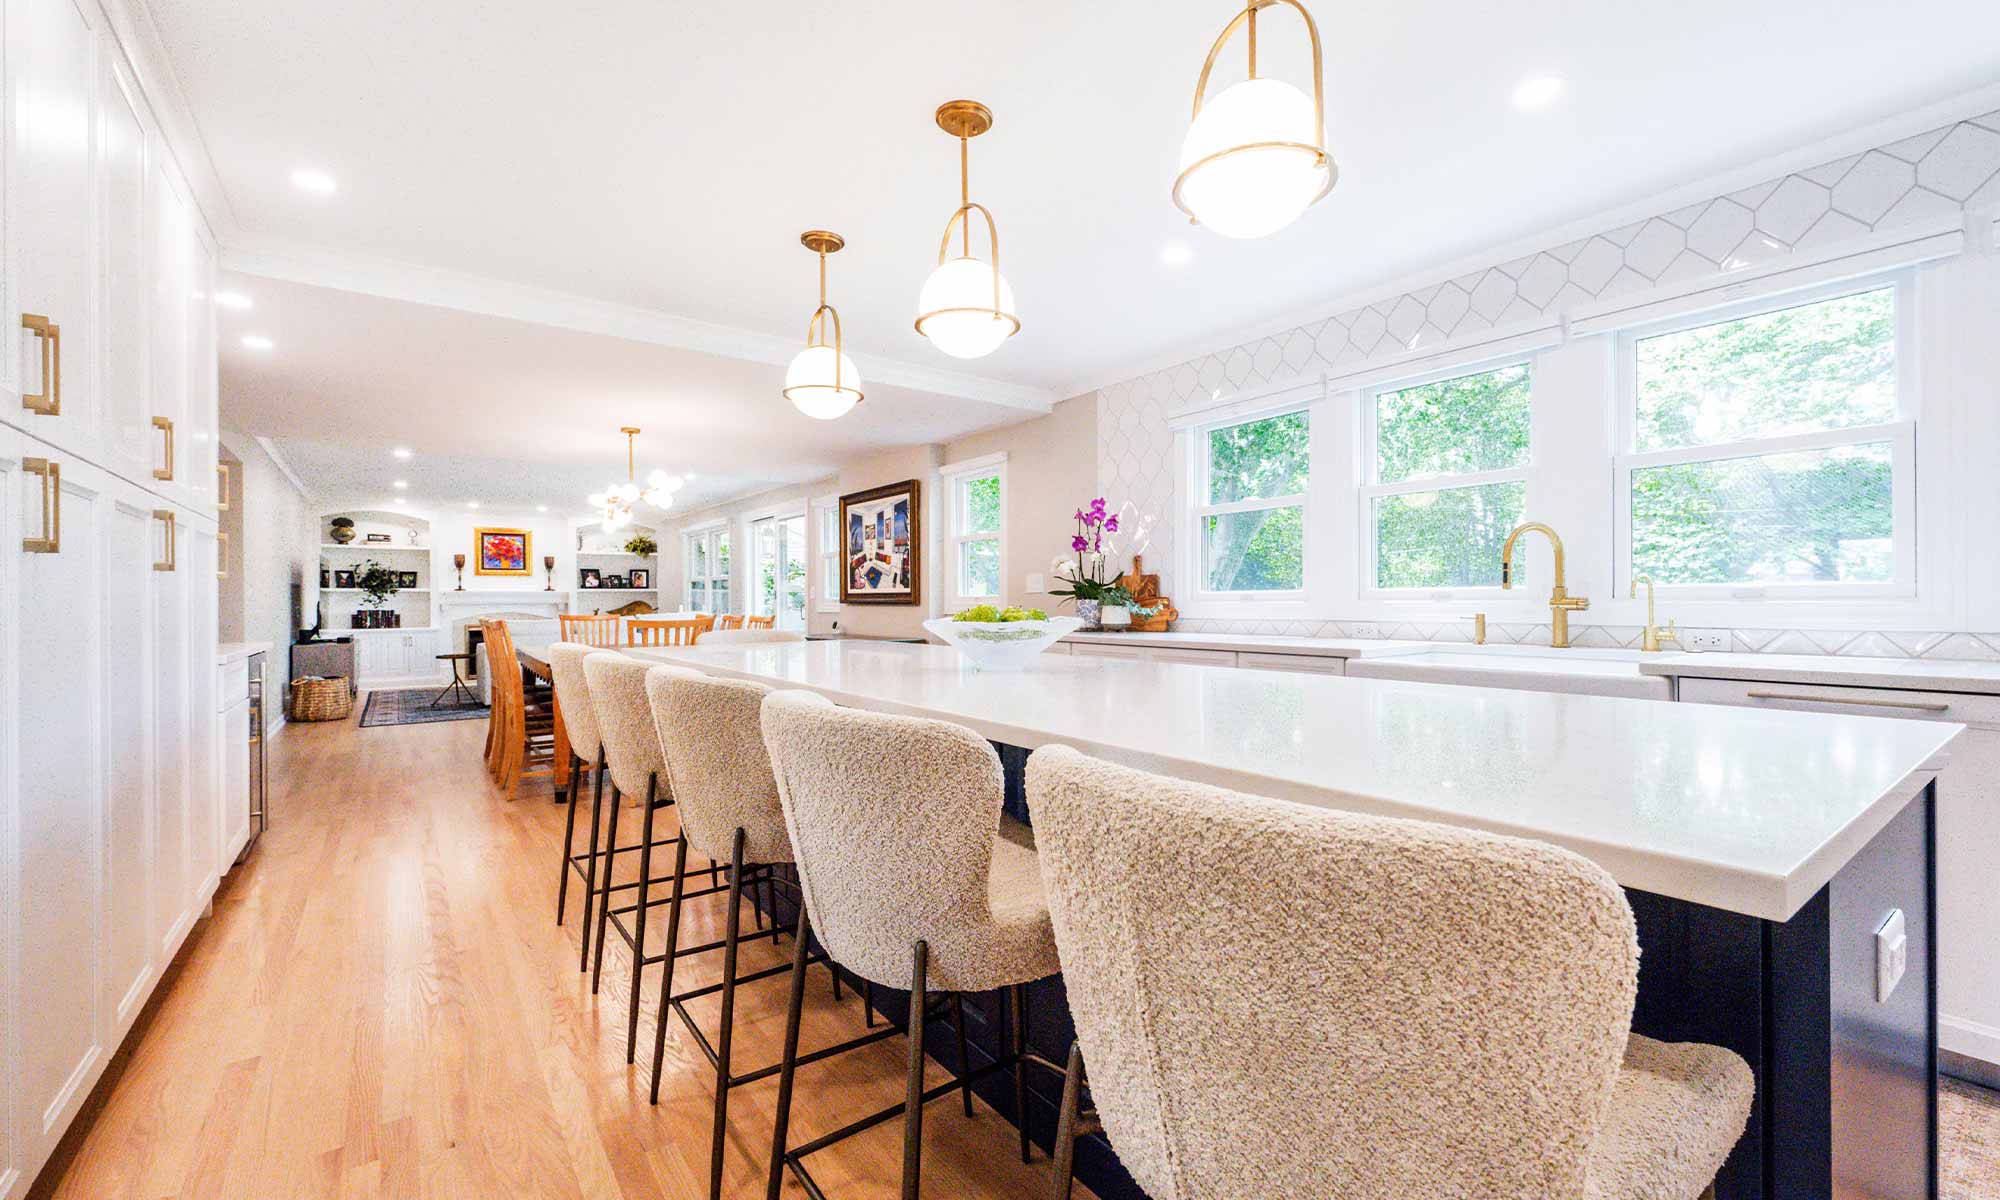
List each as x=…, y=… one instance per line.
x=502, y=552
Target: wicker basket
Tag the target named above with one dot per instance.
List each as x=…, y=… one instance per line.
x=321, y=698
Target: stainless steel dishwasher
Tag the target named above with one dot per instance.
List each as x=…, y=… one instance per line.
x=259, y=807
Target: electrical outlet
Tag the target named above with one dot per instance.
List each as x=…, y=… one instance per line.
x=1035, y=583
x=1892, y=956
x=1364, y=630
x=1705, y=639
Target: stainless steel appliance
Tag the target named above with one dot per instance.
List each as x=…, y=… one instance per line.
x=259, y=809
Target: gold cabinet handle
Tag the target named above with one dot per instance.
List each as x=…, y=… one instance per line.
x=51, y=474
x=48, y=401
x=165, y=425
x=1914, y=705
x=222, y=554
x=172, y=560
x=222, y=486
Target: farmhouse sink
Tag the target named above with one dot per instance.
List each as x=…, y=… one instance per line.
x=1525, y=668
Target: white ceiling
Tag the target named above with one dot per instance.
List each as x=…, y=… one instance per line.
x=516, y=415
x=664, y=157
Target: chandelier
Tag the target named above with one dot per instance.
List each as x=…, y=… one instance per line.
x=615, y=504
x=967, y=308
x=822, y=381
x=1255, y=157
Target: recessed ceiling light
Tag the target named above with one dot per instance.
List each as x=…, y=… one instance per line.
x=402, y=483
x=256, y=341
x=401, y=452
x=541, y=508
x=687, y=474
x=319, y=183
x=235, y=300
x=1176, y=254
x=1537, y=92
x=472, y=504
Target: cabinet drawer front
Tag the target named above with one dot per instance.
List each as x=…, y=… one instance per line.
x=233, y=684
x=1205, y=658
x=1100, y=650
x=1869, y=702
x=1311, y=664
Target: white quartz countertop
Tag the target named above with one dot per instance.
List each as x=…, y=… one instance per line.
x=229, y=652
x=1315, y=647
x=1749, y=811
x=1918, y=674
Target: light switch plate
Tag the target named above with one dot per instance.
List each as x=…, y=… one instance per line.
x=1892, y=955
x=1035, y=583
x=1705, y=639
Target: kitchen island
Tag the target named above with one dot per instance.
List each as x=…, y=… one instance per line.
x=1761, y=851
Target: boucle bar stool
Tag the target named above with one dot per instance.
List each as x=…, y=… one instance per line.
x=912, y=879
x=586, y=753
x=713, y=740
x=1358, y=1006
x=633, y=760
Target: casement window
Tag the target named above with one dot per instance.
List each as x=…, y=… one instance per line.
x=706, y=552
x=975, y=502
x=826, y=554
x=1250, y=481
x=1771, y=452
x=1445, y=478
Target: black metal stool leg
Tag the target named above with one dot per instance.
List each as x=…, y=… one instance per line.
x=604, y=888
x=1065, y=1147
x=789, y=1062
x=667, y=967
x=964, y=1054
x=734, y=926
x=913, y=1097
x=590, y=860
x=1019, y=1011
x=639, y=918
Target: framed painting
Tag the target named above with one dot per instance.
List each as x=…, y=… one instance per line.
x=501, y=551
x=884, y=545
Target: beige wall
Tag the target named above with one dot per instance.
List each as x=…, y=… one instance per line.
x=1051, y=472
x=893, y=466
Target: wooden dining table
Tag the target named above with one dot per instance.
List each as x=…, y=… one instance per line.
x=537, y=666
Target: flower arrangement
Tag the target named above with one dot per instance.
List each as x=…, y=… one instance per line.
x=1089, y=575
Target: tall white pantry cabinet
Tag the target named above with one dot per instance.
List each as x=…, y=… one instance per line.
x=111, y=815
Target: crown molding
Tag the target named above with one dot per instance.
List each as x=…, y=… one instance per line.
x=284, y=465
x=299, y=262
x=1861, y=138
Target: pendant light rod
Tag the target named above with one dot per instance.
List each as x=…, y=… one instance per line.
x=631, y=433
x=1248, y=18
x=965, y=120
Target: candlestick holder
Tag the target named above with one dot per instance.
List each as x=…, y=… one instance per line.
x=458, y=562
x=549, y=568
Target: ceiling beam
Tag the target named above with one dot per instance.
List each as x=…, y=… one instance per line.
x=300, y=262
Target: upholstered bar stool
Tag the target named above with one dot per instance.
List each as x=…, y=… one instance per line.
x=586, y=755
x=912, y=880
x=713, y=741
x=633, y=759
x=1358, y=1006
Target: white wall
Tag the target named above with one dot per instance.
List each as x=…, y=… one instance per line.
x=272, y=553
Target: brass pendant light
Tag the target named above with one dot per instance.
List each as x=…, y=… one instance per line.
x=967, y=308
x=1254, y=157
x=616, y=504
x=822, y=381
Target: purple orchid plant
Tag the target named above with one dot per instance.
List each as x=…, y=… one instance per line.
x=1095, y=545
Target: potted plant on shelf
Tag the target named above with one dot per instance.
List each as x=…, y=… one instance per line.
x=343, y=529
x=1102, y=602
x=377, y=584
x=642, y=545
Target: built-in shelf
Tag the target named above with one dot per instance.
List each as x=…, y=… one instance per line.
x=586, y=591
x=324, y=546
x=613, y=554
x=399, y=591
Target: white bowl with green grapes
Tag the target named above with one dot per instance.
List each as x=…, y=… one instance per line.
x=993, y=638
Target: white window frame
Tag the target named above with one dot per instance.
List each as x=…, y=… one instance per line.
x=827, y=554
x=708, y=536
x=1900, y=434
x=1370, y=489
x=753, y=595
x=952, y=478
x=1195, y=557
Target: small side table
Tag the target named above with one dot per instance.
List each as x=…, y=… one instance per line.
x=456, y=688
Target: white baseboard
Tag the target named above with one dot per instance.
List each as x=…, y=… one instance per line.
x=1969, y=1038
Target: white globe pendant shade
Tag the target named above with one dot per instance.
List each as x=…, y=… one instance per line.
x=809, y=383
x=1245, y=189
x=957, y=308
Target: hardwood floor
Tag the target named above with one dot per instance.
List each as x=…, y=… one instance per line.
x=383, y=1006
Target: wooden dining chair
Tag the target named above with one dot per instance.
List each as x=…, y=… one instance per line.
x=523, y=735
x=729, y=621
x=759, y=622
x=672, y=631
x=590, y=629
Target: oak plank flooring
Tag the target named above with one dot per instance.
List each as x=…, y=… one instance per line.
x=382, y=1006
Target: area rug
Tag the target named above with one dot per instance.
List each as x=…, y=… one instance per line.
x=412, y=706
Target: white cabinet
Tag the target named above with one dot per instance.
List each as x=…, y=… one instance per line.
x=1968, y=837
x=1199, y=658
x=131, y=446
x=234, y=748
x=169, y=237
x=395, y=657
x=197, y=561
x=127, y=739
x=1310, y=664
x=1101, y=650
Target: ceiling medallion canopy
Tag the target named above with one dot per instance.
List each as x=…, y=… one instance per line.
x=615, y=504
x=1255, y=158
x=966, y=307
x=822, y=381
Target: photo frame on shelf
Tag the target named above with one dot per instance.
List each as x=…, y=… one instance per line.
x=614, y=581
x=640, y=578
x=502, y=551
x=588, y=577
x=884, y=545
x=406, y=579
x=343, y=580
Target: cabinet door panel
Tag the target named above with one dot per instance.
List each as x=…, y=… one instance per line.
x=203, y=419
x=11, y=485
x=133, y=447
x=51, y=65
x=198, y=550
x=169, y=237
x=128, y=782
x=171, y=885
x=59, y=695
